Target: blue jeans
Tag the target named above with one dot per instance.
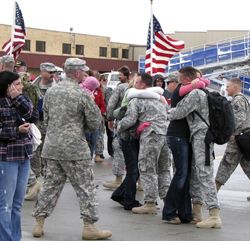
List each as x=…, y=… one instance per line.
x=91, y=138
x=13, y=181
x=178, y=201
x=125, y=193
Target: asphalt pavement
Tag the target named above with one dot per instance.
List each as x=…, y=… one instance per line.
x=65, y=224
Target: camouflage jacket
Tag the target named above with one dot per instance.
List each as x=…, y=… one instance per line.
x=196, y=100
x=107, y=92
x=68, y=113
x=116, y=99
x=29, y=89
x=42, y=89
x=145, y=110
x=241, y=110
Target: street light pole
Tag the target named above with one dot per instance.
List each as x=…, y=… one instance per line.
x=72, y=38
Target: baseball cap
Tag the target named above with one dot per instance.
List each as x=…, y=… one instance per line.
x=20, y=63
x=158, y=77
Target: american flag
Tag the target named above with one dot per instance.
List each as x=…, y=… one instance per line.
x=163, y=48
x=18, y=41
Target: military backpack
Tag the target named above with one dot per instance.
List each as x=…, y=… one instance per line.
x=221, y=124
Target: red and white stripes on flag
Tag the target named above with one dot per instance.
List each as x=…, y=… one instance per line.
x=163, y=48
x=17, y=41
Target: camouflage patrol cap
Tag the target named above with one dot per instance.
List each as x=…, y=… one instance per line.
x=48, y=67
x=7, y=59
x=75, y=64
x=172, y=78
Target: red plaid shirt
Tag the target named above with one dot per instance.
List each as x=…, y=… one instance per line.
x=15, y=146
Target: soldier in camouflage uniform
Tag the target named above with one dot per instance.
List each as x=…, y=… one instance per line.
x=115, y=101
x=43, y=83
x=107, y=92
x=32, y=92
x=202, y=184
x=153, y=160
x=233, y=155
x=7, y=62
x=99, y=157
x=68, y=112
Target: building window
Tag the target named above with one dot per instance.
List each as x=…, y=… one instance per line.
x=114, y=52
x=103, y=51
x=66, y=48
x=80, y=49
x=125, y=53
x=27, y=45
x=40, y=46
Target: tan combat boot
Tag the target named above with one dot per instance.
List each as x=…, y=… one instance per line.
x=98, y=159
x=197, y=213
x=38, y=229
x=113, y=184
x=90, y=232
x=33, y=192
x=213, y=221
x=218, y=186
x=147, y=208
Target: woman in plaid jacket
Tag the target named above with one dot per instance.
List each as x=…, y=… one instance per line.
x=16, y=114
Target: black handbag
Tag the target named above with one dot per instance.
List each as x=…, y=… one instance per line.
x=243, y=142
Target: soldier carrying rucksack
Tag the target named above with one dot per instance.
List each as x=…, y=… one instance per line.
x=202, y=184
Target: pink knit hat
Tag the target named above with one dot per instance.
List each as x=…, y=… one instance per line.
x=90, y=84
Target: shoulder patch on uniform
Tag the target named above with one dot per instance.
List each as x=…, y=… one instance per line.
x=236, y=107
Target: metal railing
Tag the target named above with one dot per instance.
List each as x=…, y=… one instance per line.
x=241, y=72
x=214, y=54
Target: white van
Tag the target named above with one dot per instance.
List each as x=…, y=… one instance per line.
x=112, y=78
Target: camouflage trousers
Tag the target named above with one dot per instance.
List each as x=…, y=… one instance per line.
x=118, y=164
x=202, y=184
x=36, y=162
x=154, y=166
x=100, y=140
x=32, y=179
x=80, y=175
x=232, y=157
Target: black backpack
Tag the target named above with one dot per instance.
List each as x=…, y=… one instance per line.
x=221, y=124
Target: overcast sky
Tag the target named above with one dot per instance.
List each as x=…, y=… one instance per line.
x=127, y=21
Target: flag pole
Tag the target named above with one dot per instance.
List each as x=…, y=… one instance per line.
x=151, y=38
x=13, y=29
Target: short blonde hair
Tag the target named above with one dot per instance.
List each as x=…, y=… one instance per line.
x=236, y=81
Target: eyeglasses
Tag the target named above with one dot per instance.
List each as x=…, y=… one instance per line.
x=51, y=72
